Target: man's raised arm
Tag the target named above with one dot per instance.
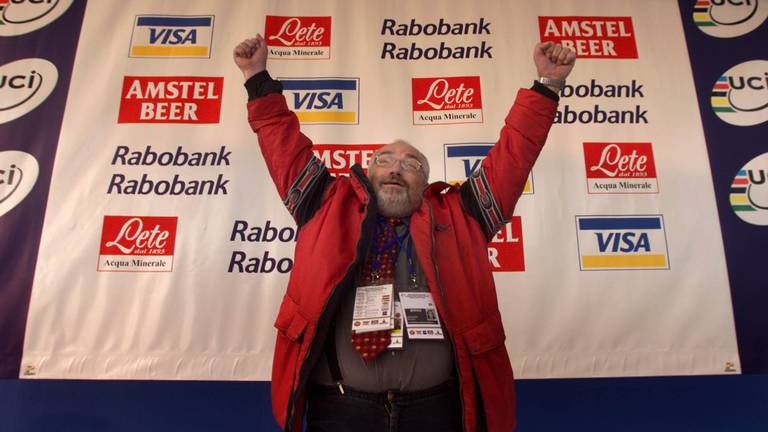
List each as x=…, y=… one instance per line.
x=300, y=177
x=491, y=191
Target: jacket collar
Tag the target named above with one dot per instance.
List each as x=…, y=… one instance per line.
x=362, y=187
x=436, y=188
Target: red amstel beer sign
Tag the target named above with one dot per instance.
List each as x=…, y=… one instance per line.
x=339, y=158
x=505, y=250
x=591, y=37
x=170, y=99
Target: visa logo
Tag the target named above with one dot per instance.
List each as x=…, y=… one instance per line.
x=622, y=242
x=172, y=36
x=470, y=155
x=323, y=100
x=463, y=159
x=319, y=100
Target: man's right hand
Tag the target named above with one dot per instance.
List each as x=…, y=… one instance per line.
x=250, y=56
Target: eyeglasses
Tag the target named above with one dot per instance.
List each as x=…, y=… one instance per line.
x=407, y=163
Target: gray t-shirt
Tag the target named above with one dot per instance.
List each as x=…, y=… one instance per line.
x=419, y=365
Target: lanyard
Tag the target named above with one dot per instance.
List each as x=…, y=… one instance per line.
x=400, y=241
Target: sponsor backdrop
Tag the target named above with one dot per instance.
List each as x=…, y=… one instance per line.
x=157, y=248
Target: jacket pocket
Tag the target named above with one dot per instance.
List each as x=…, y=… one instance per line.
x=493, y=372
x=486, y=336
x=289, y=321
x=290, y=326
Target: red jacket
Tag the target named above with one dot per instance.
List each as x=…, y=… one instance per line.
x=450, y=232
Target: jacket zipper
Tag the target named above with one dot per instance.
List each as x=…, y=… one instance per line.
x=333, y=298
x=432, y=227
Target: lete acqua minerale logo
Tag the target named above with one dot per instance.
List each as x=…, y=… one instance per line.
x=25, y=84
x=18, y=17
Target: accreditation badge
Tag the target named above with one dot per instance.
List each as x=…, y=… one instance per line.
x=374, y=308
x=421, y=318
x=396, y=334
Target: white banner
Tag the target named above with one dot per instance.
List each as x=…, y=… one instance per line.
x=166, y=249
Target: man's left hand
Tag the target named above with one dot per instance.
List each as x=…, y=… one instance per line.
x=553, y=60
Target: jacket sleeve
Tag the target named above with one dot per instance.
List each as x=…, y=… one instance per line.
x=300, y=177
x=492, y=190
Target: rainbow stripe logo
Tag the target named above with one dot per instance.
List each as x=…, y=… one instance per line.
x=720, y=92
x=701, y=15
x=726, y=19
x=749, y=191
x=740, y=95
x=3, y=5
x=739, y=193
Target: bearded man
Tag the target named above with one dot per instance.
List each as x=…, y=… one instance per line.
x=373, y=249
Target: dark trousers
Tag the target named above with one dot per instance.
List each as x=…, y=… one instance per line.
x=435, y=409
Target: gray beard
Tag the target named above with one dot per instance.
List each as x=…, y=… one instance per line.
x=395, y=203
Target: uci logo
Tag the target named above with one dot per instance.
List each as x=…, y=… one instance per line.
x=729, y=18
x=18, y=17
x=749, y=191
x=740, y=96
x=25, y=84
x=18, y=174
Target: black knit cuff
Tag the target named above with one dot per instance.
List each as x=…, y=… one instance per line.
x=261, y=85
x=546, y=91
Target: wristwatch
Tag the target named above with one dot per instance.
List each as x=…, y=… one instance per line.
x=554, y=82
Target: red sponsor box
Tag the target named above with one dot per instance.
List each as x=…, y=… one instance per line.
x=339, y=158
x=138, y=235
x=620, y=168
x=505, y=250
x=591, y=37
x=446, y=93
x=170, y=99
x=619, y=160
x=137, y=244
x=298, y=31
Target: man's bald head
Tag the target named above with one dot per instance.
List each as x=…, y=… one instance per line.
x=406, y=147
x=398, y=174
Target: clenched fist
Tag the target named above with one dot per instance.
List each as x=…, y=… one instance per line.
x=250, y=56
x=553, y=60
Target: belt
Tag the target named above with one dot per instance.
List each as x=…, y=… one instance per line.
x=390, y=396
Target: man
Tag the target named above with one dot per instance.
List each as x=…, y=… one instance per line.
x=365, y=241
